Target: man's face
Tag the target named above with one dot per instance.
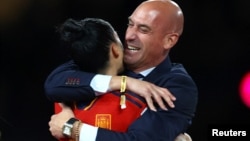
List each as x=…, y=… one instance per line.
x=144, y=39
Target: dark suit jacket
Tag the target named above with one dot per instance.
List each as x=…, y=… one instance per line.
x=67, y=83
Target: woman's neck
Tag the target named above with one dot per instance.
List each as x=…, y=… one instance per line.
x=108, y=71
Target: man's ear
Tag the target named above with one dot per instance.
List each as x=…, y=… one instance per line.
x=170, y=40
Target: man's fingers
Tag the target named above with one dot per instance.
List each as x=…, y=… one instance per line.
x=52, y=117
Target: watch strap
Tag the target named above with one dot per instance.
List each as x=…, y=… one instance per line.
x=71, y=121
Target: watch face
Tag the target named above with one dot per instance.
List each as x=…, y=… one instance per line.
x=67, y=131
x=67, y=127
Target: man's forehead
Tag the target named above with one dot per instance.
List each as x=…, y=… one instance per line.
x=148, y=16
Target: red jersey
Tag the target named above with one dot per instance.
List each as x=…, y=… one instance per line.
x=105, y=111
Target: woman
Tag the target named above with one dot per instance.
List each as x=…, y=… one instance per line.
x=95, y=47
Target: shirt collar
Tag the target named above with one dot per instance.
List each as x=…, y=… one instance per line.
x=147, y=71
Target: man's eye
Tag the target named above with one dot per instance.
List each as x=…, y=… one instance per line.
x=130, y=24
x=144, y=30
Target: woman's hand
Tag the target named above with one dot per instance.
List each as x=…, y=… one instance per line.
x=149, y=91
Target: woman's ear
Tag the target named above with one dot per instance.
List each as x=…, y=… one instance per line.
x=114, y=50
x=170, y=40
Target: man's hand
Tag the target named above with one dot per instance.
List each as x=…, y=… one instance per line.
x=57, y=121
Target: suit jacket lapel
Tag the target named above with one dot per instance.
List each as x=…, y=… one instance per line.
x=163, y=67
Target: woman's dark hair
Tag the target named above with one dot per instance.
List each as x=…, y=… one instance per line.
x=88, y=42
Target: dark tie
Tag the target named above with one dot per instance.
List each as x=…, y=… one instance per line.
x=134, y=75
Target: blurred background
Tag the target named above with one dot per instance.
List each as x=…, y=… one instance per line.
x=214, y=49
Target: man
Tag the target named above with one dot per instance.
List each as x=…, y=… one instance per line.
x=154, y=28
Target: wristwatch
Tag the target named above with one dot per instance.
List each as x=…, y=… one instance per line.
x=68, y=126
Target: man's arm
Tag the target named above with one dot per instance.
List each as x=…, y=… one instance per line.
x=160, y=125
x=141, y=130
x=67, y=83
x=67, y=113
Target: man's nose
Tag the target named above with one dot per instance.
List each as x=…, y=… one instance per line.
x=130, y=33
